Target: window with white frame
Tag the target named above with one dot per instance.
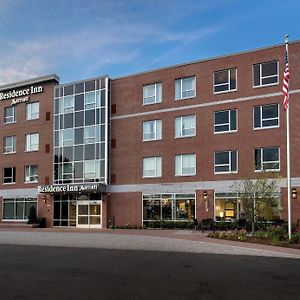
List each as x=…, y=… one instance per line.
x=90, y=100
x=265, y=74
x=32, y=111
x=67, y=137
x=9, y=175
x=185, y=126
x=226, y=162
x=9, y=144
x=31, y=173
x=152, y=166
x=91, y=170
x=185, y=164
x=225, y=121
x=185, y=88
x=225, y=80
x=91, y=134
x=152, y=93
x=10, y=114
x=32, y=142
x=267, y=159
x=266, y=116
x=152, y=130
x=68, y=104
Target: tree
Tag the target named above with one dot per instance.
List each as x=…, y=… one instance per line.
x=257, y=196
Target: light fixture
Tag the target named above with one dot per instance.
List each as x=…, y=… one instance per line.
x=205, y=195
x=294, y=193
x=221, y=214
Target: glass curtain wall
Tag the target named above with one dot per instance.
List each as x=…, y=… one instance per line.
x=81, y=132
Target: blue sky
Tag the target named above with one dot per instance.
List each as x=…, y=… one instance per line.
x=78, y=39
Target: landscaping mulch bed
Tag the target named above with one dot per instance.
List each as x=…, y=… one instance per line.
x=255, y=240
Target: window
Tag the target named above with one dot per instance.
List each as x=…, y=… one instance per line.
x=266, y=116
x=31, y=173
x=225, y=80
x=10, y=114
x=152, y=130
x=185, y=164
x=32, y=142
x=185, y=88
x=152, y=93
x=175, y=207
x=185, y=126
x=67, y=137
x=226, y=162
x=91, y=170
x=225, y=121
x=90, y=100
x=267, y=159
x=91, y=134
x=152, y=166
x=9, y=175
x=265, y=74
x=227, y=207
x=68, y=104
x=9, y=144
x=18, y=208
x=32, y=111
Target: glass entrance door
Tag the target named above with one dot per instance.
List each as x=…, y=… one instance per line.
x=89, y=214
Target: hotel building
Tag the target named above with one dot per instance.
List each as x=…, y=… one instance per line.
x=166, y=144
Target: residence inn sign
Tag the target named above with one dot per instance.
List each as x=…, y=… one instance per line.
x=19, y=96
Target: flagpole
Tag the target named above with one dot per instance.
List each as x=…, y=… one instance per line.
x=288, y=161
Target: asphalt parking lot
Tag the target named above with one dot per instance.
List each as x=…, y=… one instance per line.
x=39, y=272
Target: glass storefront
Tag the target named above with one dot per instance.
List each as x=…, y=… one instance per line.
x=168, y=207
x=17, y=209
x=77, y=210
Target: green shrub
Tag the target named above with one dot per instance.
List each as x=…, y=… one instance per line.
x=232, y=235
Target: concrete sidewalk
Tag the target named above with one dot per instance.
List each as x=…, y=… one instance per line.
x=147, y=239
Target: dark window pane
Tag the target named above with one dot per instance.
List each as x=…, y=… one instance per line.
x=102, y=150
x=257, y=117
x=269, y=68
x=57, y=93
x=102, y=134
x=90, y=85
x=221, y=77
x=97, y=155
x=270, y=154
x=102, y=168
x=233, y=161
x=68, y=154
x=221, y=88
x=222, y=169
x=78, y=153
x=68, y=90
x=256, y=70
x=79, y=118
x=270, y=111
x=90, y=117
x=270, y=80
x=221, y=117
x=79, y=88
x=57, y=106
x=56, y=122
x=102, y=116
x=79, y=102
x=233, y=119
x=233, y=79
x=222, y=128
x=68, y=120
x=257, y=155
x=78, y=166
x=56, y=138
x=64, y=210
x=89, y=152
x=56, y=210
x=78, y=136
x=103, y=98
x=269, y=123
x=222, y=158
x=97, y=116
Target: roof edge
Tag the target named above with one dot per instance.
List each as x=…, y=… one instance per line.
x=29, y=82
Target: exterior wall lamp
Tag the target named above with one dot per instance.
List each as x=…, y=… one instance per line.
x=294, y=193
x=205, y=197
x=44, y=199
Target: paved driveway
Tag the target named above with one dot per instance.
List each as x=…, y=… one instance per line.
x=148, y=240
